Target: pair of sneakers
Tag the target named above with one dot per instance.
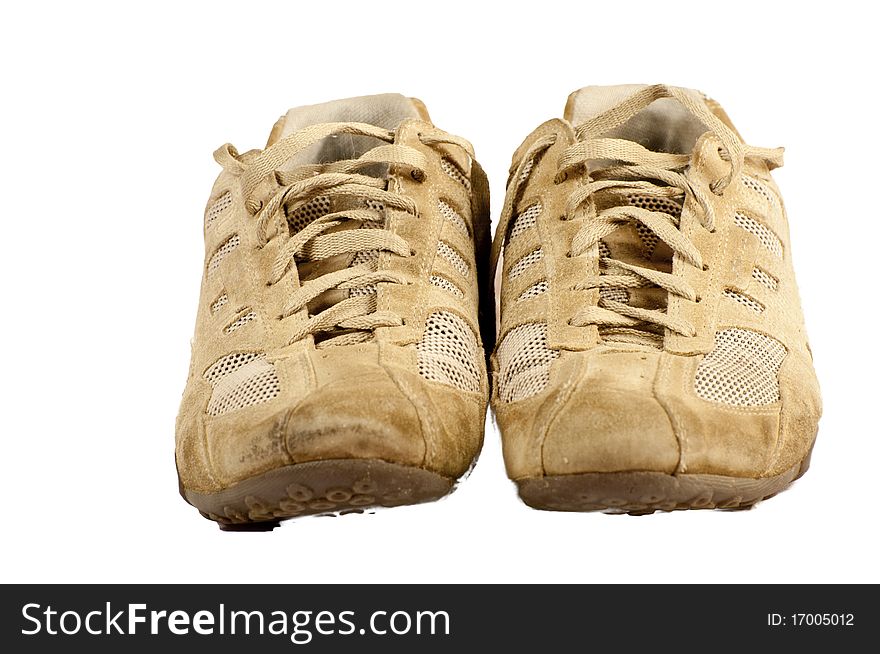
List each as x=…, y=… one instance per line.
x=638, y=303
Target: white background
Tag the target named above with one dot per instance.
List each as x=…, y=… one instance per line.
x=110, y=114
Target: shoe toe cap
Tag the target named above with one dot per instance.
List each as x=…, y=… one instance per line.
x=610, y=431
x=364, y=416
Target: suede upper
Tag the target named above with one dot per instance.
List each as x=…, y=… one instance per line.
x=393, y=396
x=599, y=402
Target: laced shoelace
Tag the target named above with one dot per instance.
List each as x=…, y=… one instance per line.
x=353, y=319
x=636, y=170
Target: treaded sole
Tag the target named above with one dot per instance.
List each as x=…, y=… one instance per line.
x=643, y=493
x=331, y=487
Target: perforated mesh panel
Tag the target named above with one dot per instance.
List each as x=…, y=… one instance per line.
x=218, y=206
x=222, y=252
x=364, y=256
x=375, y=205
x=450, y=168
x=765, y=278
x=533, y=291
x=452, y=216
x=230, y=363
x=524, y=362
x=655, y=203
x=314, y=208
x=742, y=369
x=368, y=289
x=527, y=170
x=252, y=383
x=652, y=203
x=219, y=303
x=240, y=322
x=520, y=266
x=614, y=294
x=767, y=238
x=453, y=257
x=449, y=352
x=761, y=189
x=649, y=238
x=744, y=300
x=446, y=285
x=526, y=220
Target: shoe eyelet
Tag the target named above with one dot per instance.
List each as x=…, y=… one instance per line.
x=417, y=175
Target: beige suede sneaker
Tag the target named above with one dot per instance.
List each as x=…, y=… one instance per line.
x=337, y=363
x=651, y=353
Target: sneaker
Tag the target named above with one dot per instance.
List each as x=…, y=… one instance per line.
x=337, y=363
x=651, y=352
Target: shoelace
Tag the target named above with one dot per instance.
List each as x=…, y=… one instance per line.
x=357, y=315
x=642, y=171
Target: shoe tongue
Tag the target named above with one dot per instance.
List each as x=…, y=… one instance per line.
x=663, y=126
x=386, y=110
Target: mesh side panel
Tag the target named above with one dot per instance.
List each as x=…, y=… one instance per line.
x=761, y=189
x=767, y=238
x=219, y=303
x=745, y=300
x=604, y=251
x=229, y=364
x=453, y=257
x=452, y=216
x=253, y=383
x=524, y=362
x=240, y=322
x=533, y=291
x=450, y=168
x=448, y=352
x=222, y=252
x=526, y=220
x=765, y=278
x=520, y=266
x=314, y=208
x=742, y=369
x=446, y=285
x=217, y=207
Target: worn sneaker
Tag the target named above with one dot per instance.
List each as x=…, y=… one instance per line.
x=337, y=362
x=651, y=352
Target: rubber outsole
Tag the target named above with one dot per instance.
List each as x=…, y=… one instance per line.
x=643, y=493
x=331, y=487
